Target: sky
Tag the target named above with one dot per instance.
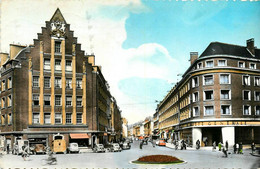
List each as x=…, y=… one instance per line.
x=143, y=46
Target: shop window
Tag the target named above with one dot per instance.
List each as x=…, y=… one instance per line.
x=68, y=65
x=57, y=64
x=79, y=101
x=47, y=64
x=224, y=79
x=36, y=118
x=58, y=118
x=225, y=110
x=68, y=100
x=57, y=47
x=246, y=80
x=47, y=82
x=47, y=118
x=208, y=80
x=241, y=64
x=246, y=95
x=257, y=110
x=68, y=118
x=222, y=63
x=246, y=110
x=208, y=110
x=47, y=100
x=68, y=83
x=79, y=83
x=196, y=111
x=225, y=94
x=57, y=100
x=208, y=95
x=209, y=63
x=195, y=82
x=57, y=82
x=79, y=118
x=35, y=81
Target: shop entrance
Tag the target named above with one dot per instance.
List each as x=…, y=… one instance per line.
x=211, y=134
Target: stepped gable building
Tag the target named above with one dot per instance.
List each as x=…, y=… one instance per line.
x=52, y=87
x=217, y=99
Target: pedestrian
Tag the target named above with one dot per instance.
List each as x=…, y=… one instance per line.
x=7, y=148
x=224, y=150
x=226, y=145
x=197, y=144
x=253, y=147
x=206, y=142
x=219, y=146
x=214, y=146
x=141, y=145
x=24, y=152
x=240, y=148
x=237, y=148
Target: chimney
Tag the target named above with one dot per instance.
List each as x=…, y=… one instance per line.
x=91, y=59
x=3, y=57
x=250, y=45
x=193, y=57
x=15, y=49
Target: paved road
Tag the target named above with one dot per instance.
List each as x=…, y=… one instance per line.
x=194, y=159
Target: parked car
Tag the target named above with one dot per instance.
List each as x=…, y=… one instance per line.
x=126, y=146
x=99, y=148
x=116, y=147
x=73, y=147
x=161, y=143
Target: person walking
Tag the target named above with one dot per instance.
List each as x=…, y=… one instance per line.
x=219, y=146
x=7, y=148
x=240, y=148
x=226, y=145
x=253, y=147
x=224, y=151
x=141, y=144
x=198, y=144
x=25, y=149
x=237, y=148
x=214, y=146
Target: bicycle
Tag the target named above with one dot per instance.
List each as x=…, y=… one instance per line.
x=49, y=161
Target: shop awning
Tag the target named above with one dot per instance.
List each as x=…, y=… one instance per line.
x=79, y=136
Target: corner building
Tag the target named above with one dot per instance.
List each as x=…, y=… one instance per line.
x=52, y=87
x=217, y=99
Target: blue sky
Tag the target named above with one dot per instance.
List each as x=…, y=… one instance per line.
x=141, y=45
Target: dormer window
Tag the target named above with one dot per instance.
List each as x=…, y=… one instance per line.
x=57, y=47
x=209, y=63
x=241, y=64
x=222, y=63
x=252, y=66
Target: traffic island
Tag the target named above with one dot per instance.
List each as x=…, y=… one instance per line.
x=158, y=159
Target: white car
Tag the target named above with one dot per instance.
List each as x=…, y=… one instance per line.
x=116, y=147
x=73, y=147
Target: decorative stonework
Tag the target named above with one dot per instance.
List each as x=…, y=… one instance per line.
x=58, y=29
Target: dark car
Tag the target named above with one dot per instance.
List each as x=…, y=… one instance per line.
x=99, y=148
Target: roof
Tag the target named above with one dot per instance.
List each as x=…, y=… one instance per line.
x=218, y=48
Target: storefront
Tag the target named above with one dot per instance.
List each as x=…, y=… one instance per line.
x=81, y=138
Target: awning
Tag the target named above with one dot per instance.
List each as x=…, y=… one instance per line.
x=79, y=136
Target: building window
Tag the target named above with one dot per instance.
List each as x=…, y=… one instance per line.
x=257, y=81
x=257, y=110
x=79, y=118
x=36, y=99
x=57, y=100
x=79, y=101
x=196, y=111
x=200, y=65
x=57, y=47
x=241, y=64
x=47, y=118
x=224, y=79
x=57, y=82
x=195, y=82
x=246, y=95
x=3, y=102
x=68, y=65
x=47, y=82
x=68, y=100
x=246, y=110
x=209, y=63
x=68, y=118
x=9, y=101
x=3, y=119
x=252, y=66
x=36, y=118
x=79, y=83
x=35, y=81
x=222, y=63
x=10, y=118
x=9, y=83
x=208, y=95
x=257, y=96
x=225, y=94
x=68, y=83
x=225, y=110
x=208, y=80
x=47, y=100
x=246, y=80
x=47, y=64
x=196, y=97
x=3, y=85
x=209, y=110
x=58, y=118
x=57, y=64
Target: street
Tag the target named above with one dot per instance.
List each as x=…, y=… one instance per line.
x=203, y=158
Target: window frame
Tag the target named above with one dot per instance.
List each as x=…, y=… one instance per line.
x=9, y=101
x=68, y=83
x=252, y=64
x=79, y=86
x=35, y=82
x=44, y=116
x=256, y=110
x=230, y=110
x=229, y=78
x=56, y=100
x=193, y=97
x=57, y=67
x=204, y=84
x=193, y=82
x=206, y=62
x=47, y=77
x=225, y=60
x=33, y=115
x=200, y=65
x=204, y=95
x=59, y=118
x=242, y=63
x=249, y=79
x=249, y=95
x=57, y=48
x=68, y=68
x=81, y=119
x=249, y=110
x=66, y=118
x=255, y=81
x=9, y=82
x=194, y=115
x=77, y=101
x=256, y=96
x=58, y=85
x=46, y=66
x=44, y=103
x=205, y=110
x=229, y=94
x=66, y=100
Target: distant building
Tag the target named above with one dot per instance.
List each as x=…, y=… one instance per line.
x=217, y=99
x=125, y=123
